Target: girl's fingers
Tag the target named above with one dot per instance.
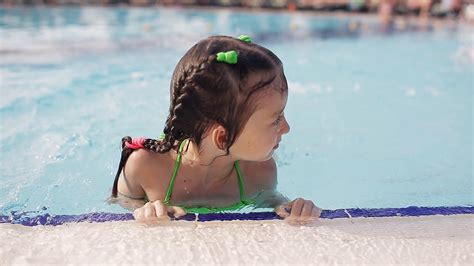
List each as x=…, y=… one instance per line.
x=161, y=210
x=157, y=210
x=138, y=214
x=307, y=209
x=149, y=212
x=316, y=212
x=299, y=211
x=176, y=211
x=297, y=207
x=281, y=211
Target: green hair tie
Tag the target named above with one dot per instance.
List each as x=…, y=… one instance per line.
x=162, y=136
x=229, y=57
x=245, y=38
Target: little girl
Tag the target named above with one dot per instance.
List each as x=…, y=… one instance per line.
x=226, y=119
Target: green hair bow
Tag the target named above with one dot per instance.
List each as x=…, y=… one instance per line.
x=245, y=38
x=229, y=57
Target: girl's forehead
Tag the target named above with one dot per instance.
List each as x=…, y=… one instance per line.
x=273, y=96
x=274, y=78
x=271, y=100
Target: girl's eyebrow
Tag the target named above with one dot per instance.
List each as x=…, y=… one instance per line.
x=278, y=112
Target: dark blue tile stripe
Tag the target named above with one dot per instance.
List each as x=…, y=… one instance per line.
x=47, y=219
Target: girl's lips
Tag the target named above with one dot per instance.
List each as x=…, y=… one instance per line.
x=278, y=145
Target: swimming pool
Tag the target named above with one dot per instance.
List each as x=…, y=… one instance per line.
x=380, y=117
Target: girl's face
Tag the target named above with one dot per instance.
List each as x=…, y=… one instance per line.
x=264, y=129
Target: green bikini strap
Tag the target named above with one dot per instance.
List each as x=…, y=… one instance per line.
x=241, y=182
x=241, y=185
x=175, y=172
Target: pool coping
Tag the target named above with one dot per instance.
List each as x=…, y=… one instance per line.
x=99, y=217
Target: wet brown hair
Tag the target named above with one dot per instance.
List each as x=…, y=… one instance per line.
x=205, y=92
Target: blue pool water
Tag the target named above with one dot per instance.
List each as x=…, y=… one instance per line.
x=379, y=117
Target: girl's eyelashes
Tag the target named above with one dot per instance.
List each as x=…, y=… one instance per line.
x=278, y=120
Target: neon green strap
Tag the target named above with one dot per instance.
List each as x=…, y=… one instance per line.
x=241, y=182
x=175, y=172
x=234, y=207
x=241, y=186
x=202, y=210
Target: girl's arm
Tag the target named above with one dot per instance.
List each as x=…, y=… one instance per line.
x=270, y=199
x=298, y=210
x=126, y=202
x=138, y=182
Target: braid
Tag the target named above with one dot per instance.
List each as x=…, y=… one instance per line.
x=182, y=96
x=126, y=139
x=123, y=159
x=158, y=146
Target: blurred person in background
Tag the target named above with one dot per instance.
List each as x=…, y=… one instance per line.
x=385, y=11
x=443, y=8
x=422, y=7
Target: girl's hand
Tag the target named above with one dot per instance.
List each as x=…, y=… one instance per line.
x=299, y=211
x=157, y=211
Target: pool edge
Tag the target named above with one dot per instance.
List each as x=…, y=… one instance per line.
x=99, y=217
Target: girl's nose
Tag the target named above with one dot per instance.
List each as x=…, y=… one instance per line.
x=285, y=127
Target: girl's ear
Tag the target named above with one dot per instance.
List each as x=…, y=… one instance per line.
x=219, y=138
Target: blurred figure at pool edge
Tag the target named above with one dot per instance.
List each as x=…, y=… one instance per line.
x=225, y=121
x=385, y=8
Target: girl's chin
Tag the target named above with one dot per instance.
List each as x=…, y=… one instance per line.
x=269, y=156
x=263, y=158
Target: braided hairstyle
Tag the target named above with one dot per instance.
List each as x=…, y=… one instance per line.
x=204, y=92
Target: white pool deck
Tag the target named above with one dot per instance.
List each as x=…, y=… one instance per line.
x=427, y=240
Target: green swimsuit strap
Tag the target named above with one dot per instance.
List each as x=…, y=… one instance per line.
x=241, y=186
x=175, y=172
x=241, y=181
x=234, y=207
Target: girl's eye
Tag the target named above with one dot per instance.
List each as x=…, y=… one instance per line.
x=278, y=120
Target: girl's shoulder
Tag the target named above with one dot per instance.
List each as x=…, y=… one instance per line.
x=141, y=161
x=148, y=169
x=262, y=175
